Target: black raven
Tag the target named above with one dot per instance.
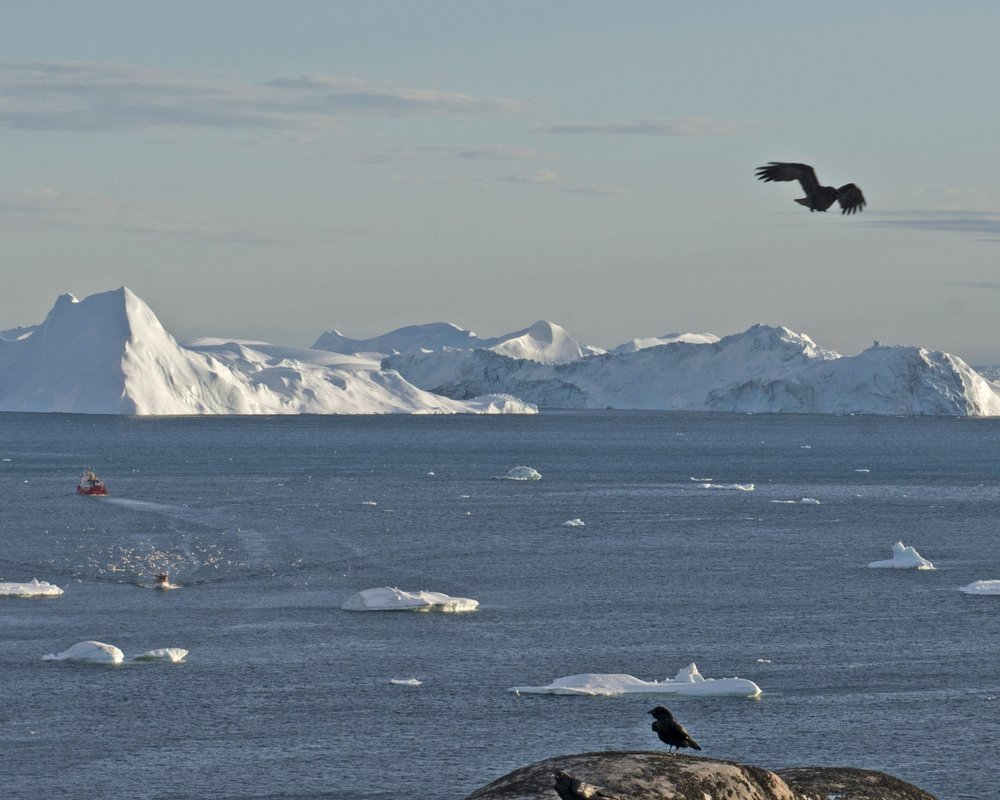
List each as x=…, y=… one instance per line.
x=818, y=198
x=570, y=788
x=670, y=731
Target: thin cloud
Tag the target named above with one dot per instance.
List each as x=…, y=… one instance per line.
x=682, y=126
x=549, y=179
x=89, y=96
x=497, y=152
x=47, y=208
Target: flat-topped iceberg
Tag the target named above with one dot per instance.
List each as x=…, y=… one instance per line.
x=688, y=681
x=90, y=651
x=33, y=588
x=521, y=473
x=903, y=557
x=172, y=655
x=981, y=587
x=386, y=598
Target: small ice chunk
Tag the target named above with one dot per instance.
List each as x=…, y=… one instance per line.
x=387, y=598
x=981, y=587
x=94, y=652
x=521, y=473
x=903, y=557
x=574, y=523
x=173, y=655
x=688, y=681
x=33, y=588
x=405, y=681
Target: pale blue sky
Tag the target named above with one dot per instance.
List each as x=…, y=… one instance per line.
x=274, y=170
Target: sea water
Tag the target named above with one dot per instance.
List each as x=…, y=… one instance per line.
x=737, y=542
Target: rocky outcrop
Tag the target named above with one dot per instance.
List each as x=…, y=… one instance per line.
x=643, y=775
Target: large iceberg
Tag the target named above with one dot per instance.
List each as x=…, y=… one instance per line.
x=93, y=652
x=688, y=681
x=109, y=354
x=903, y=557
x=763, y=369
x=387, y=598
x=33, y=588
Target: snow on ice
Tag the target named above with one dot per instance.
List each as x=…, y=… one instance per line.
x=34, y=588
x=522, y=474
x=109, y=354
x=688, y=681
x=981, y=587
x=903, y=557
x=387, y=598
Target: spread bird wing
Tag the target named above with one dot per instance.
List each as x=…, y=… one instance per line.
x=850, y=198
x=785, y=171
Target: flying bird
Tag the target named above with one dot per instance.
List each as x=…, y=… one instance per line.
x=818, y=198
x=670, y=731
x=570, y=788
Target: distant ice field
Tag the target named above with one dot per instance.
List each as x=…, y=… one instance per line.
x=268, y=525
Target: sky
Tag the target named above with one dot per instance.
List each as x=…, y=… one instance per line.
x=266, y=170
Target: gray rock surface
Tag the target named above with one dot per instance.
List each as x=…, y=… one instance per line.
x=642, y=775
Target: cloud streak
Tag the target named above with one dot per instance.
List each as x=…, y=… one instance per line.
x=89, y=96
x=51, y=209
x=682, y=126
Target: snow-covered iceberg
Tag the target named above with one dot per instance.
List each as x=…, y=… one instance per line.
x=172, y=655
x=903, y=557
x=33, y=588
x=981, y=587
x=763, y=369
x=90, y=651
x=544, y=342
x=688, y=681
x=387, y=598
x=522, y=473
x=109, y=354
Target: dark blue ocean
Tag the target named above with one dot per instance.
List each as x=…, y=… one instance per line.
x=270, y=524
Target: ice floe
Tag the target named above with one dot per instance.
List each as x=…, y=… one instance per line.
x=688, y=681
x=172, y=655
x=90, y=651
x=406, y=682
x=981, y=587
x=574, y=523
x=387, y=598
x=33, y=588
x=903, y=557
x=521, y=473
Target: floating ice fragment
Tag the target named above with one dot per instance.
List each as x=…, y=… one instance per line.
x=173, y=655
x=522, y=474
x=688, y=681
x=387, y=598
x=406, y=681
x=903, y=557
x=574, y=523
x=33, y=588
x=94, y=652
x=981, y=587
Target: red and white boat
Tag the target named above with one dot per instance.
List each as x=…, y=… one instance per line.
x=89, y=483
